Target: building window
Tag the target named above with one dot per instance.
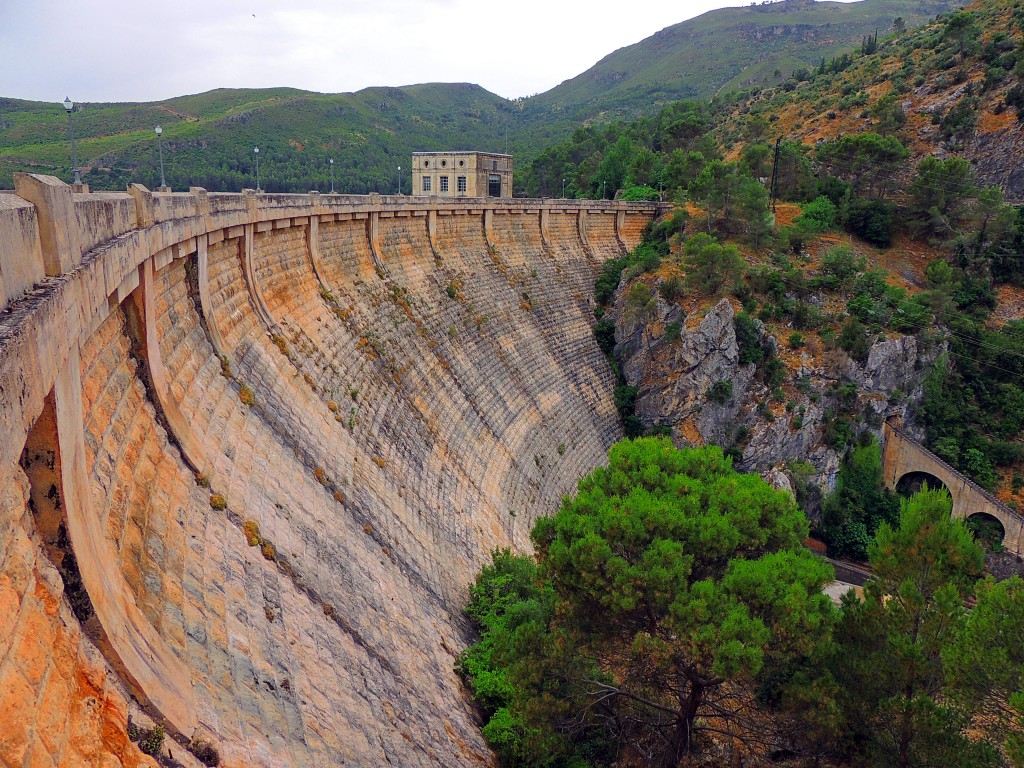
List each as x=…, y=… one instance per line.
x=494, y=186
x=426, y=163
x=444, y=163
x=494, y=165
x=426, y=183
x=461, y=182
x=444, y=183
x=461, y=163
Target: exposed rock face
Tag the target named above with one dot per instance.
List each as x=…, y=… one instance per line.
x=675, y=379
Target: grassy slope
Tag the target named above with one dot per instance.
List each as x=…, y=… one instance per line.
x=732, y=47
x=925, y=81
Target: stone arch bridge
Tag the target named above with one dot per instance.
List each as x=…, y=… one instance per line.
x=253, y=449
x=903, y=458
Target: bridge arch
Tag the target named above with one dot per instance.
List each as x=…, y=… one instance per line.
x=987, y=529
x=914, y=481
x=906, y=462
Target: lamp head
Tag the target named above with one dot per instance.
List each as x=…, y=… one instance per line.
x=68, y=104
x=256, y=150
x=332, y=161
x=158, y=130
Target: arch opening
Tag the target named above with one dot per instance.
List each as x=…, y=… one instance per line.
x=912, y=482
x=987, y=529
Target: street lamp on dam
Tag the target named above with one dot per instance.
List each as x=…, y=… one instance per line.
x=331, y=161
x=160, y=145
x=256, y=152
x=70, y=107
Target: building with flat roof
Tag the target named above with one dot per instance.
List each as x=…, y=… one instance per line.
x=461, y=174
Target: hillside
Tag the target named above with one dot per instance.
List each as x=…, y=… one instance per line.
x=209, y=137
x=936, y=94
x=728, y=49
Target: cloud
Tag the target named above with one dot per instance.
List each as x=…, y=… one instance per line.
x=120, y=50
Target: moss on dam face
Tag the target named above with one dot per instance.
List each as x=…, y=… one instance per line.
x=270, y=439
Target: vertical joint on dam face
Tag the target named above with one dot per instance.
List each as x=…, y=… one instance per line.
x=581, y=229
x=255, y=296
x=128, y=641
x=620, y=228
x=489, y=228
x=58, y=226
x=545, y=228
x=373, y=236
x=435, y=249
x=143, y=315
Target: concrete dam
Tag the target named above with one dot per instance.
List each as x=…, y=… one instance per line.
x=255, y=448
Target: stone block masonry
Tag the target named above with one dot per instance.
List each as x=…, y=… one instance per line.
x=253, y=448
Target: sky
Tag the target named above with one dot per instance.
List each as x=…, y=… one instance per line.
x=139, y=50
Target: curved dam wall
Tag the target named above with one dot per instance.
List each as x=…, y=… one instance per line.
x=255, y=447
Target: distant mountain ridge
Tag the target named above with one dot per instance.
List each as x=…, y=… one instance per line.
x=209, y=137
x=687, y=61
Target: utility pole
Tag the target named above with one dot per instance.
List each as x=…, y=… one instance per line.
x=775, y=175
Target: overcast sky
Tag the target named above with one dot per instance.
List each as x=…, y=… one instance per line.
x=139, y=50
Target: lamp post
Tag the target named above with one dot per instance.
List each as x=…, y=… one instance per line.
x=331, y=161
x=70, y=107
x=563, y=189
x=604, y=189
x=160, y=145
x=256, y=151
x=399, y=179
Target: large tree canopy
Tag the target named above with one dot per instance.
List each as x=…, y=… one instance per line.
x=674, y=581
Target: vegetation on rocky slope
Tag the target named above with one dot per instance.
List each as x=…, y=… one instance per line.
x=672, y=618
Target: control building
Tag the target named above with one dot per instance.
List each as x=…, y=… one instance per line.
x=461, y=174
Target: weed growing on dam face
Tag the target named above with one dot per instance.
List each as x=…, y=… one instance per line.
x=251, y=529
x=246, y=395
x=218, y=502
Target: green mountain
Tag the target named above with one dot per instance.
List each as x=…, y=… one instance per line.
x=209, y=137
x=727, y=49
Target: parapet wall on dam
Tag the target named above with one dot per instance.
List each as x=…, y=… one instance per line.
x=255, y=447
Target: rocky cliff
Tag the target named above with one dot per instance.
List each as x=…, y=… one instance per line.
x=695, y=385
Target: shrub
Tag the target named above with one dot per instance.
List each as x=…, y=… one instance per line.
x=205, y=752
x=604, y=333
x=251, y=529
x=218, y=502
x=246, y=395
x=721, y=391
x=671, y=288
x=152, y=740
x=673, y=331
x=268, y=550
x=641, y=193
x=872, y=220
x=821, y=213
x=796, y=340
